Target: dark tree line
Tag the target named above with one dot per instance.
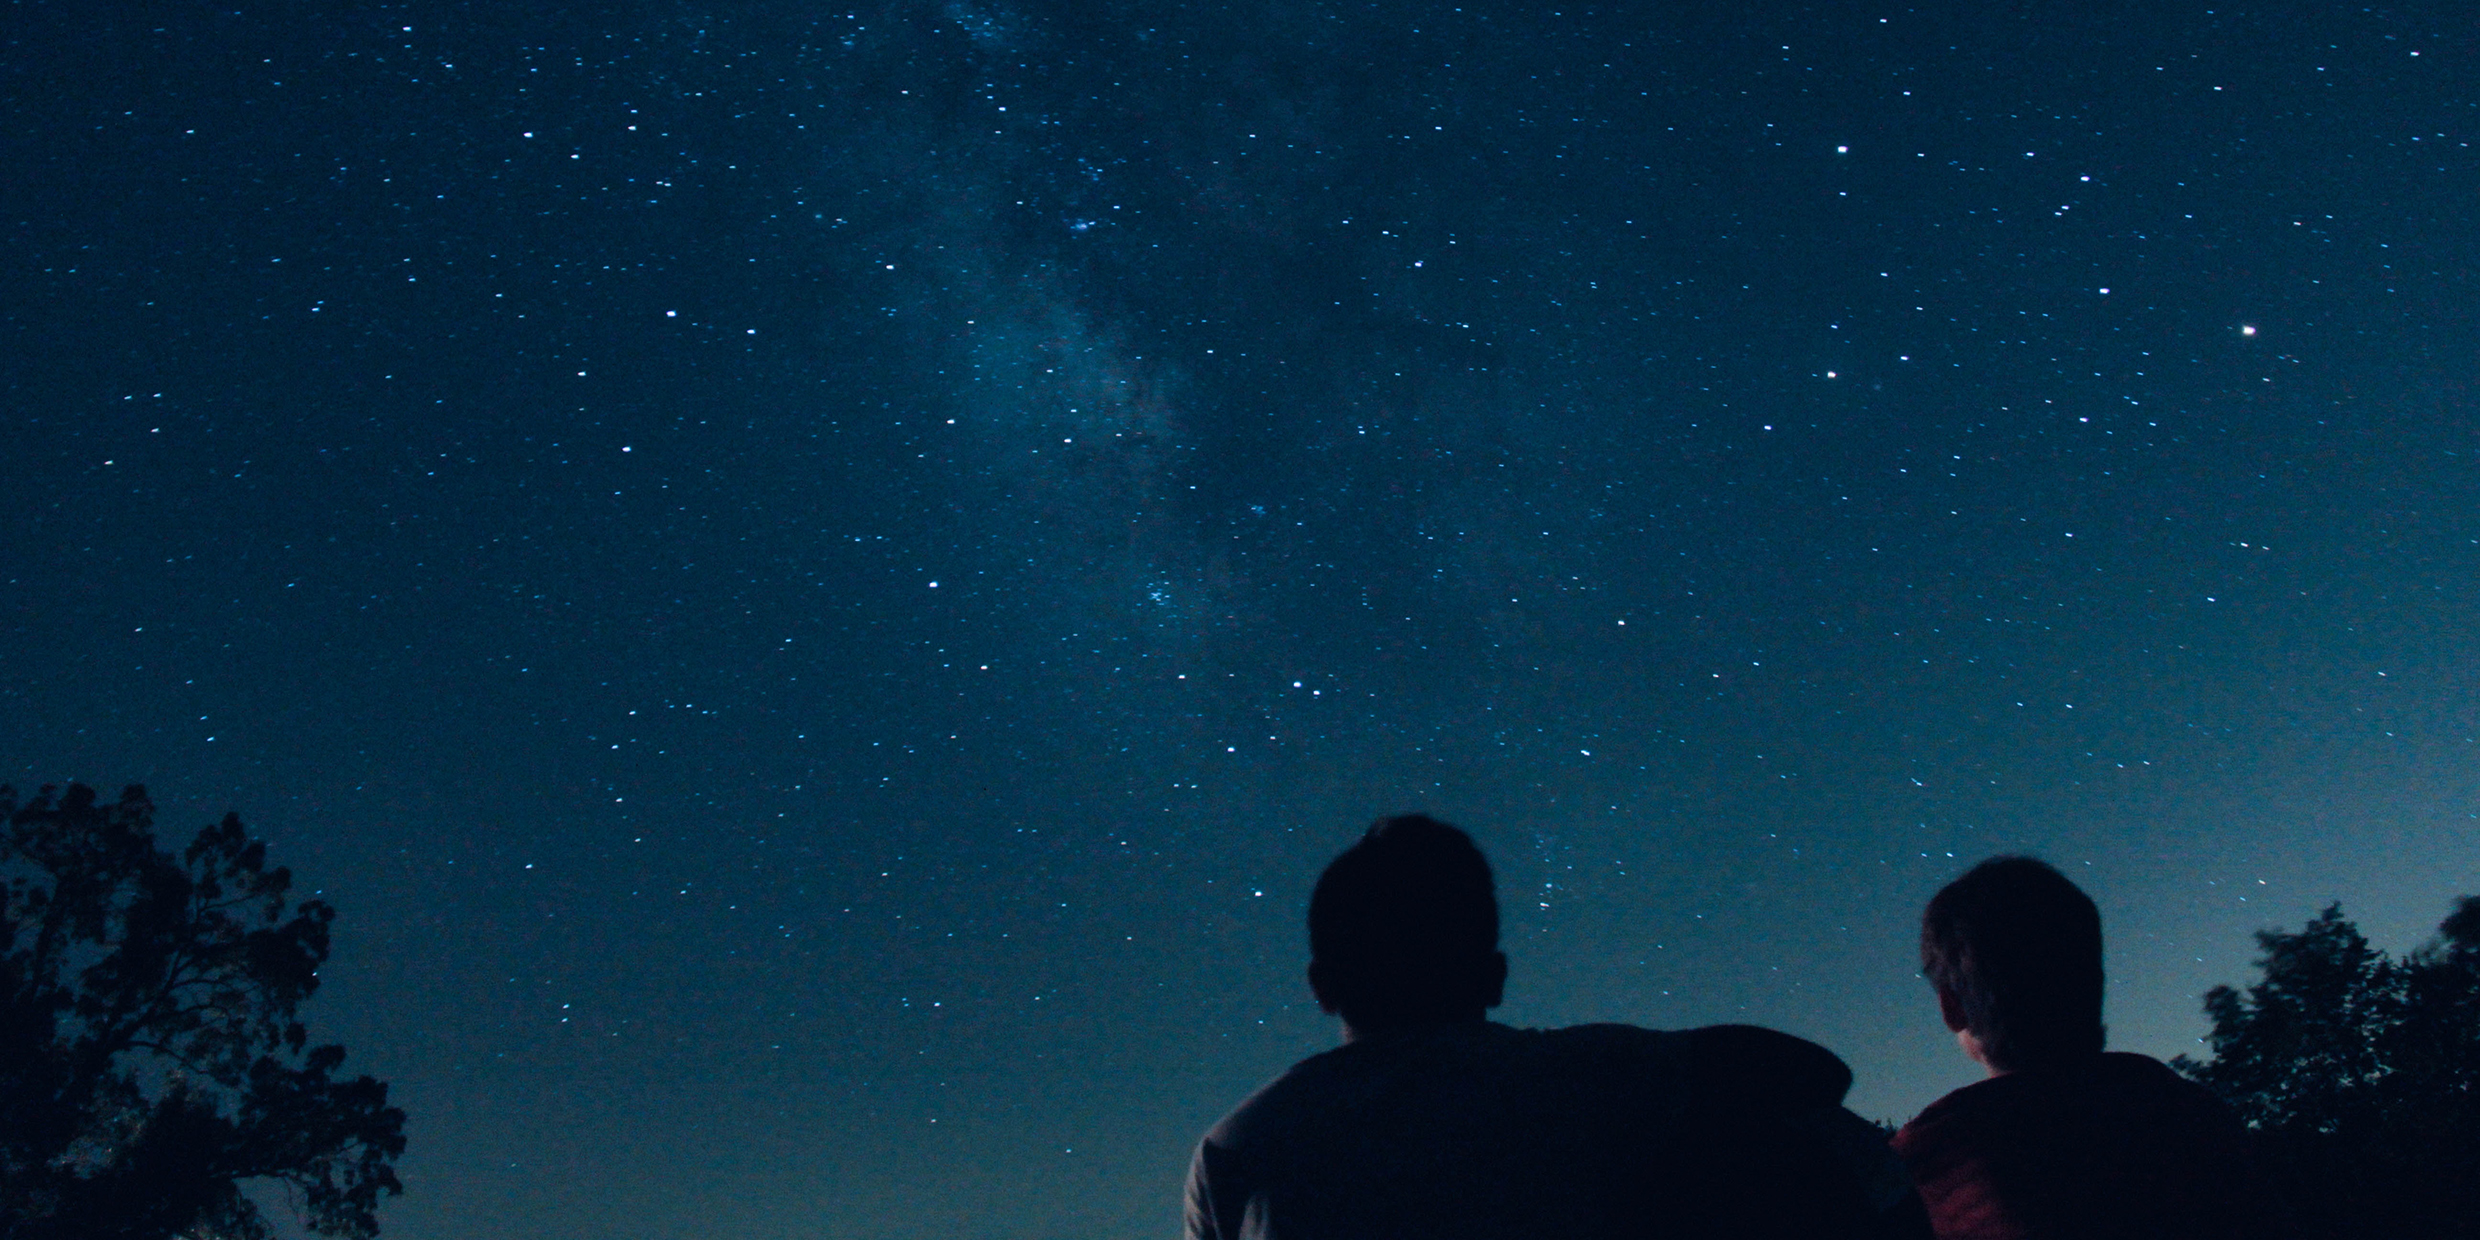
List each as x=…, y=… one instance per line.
x=151, y=1060
x=2361, y=1075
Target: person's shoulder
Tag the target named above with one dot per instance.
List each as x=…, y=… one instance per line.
x=2114, y=1083
x=1283, y=1103
x=1612, y=1039
x=1713, y=1069
x=2141, y=1071
x=2149, y=1086
x=1310, y=1094
x=1608, y=1050
x=1963, y=1115
x=1952, y=1103
x=2111, y=1082
x=1767, y=1066
x=1980, y=1095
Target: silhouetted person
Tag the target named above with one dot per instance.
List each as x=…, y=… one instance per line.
x=1431, y=1121
x=2064, y=1139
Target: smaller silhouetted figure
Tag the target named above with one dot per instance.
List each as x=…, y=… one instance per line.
x=2065, y=1139
x=1431, y=1121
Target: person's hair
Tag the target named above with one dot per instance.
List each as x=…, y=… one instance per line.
x=1403, y=926
x=2019, y=947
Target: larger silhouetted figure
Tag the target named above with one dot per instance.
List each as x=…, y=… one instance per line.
x=2064, y=1140
x=1432, y=1121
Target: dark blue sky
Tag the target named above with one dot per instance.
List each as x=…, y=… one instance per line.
x=816, y=585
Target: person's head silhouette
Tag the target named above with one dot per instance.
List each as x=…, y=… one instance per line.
x=2014, y=950
x=1403, y=930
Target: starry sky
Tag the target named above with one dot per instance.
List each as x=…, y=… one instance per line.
x=816, y=583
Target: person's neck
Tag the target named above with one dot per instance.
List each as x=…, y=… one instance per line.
x=1980, y=1055
x=1360, y=1031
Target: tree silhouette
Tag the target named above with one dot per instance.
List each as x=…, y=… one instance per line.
x=2360, y=1073
x=2432, y=1098
x=150, y=1058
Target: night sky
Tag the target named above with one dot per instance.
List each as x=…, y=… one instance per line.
x=816, y=584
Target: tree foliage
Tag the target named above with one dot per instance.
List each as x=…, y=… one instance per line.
x=151, y=1059
x=2361, y=1073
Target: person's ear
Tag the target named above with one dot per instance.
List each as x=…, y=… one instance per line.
x=1494, y=991
x=1950, y=1007
x=1322, y=985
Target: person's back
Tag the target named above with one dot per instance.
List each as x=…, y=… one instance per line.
x=1468, y=1129
x=1430, y=1121
x=2064, y=1140
x=2111, y=1145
